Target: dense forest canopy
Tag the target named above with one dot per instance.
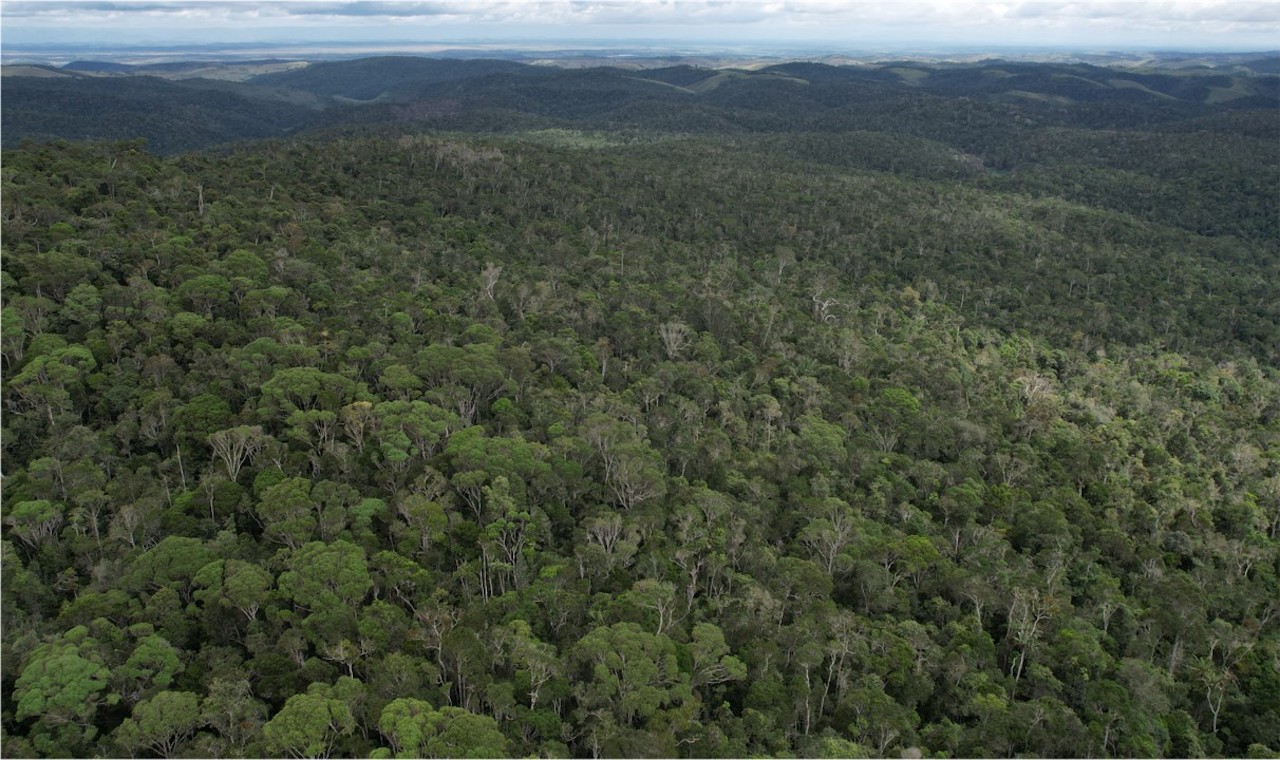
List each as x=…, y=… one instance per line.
x=888, y=411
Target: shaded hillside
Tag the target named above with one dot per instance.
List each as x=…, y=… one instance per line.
x=1270, y=65
x=980, y=109
x=388, y=77
x=170, y=116
x=1196, y=151
x=100, y=67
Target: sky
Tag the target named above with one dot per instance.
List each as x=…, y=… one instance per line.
x=849, y=25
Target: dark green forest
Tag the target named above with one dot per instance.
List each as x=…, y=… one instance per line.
x=803, y=412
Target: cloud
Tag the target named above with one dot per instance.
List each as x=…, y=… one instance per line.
x=1013, y=21
x=384, y=9
x=1266, y=13
x=662, y=11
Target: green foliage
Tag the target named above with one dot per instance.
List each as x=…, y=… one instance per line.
x=327, y=576
x=629, y=672
x=288, y=513
x=304, y=388
x=59, y=683
x=161, y=723
x=233, y=584
x=62, y=686
x=153, y=664
x=415, y=729
x=941, y=425
x=310, y=724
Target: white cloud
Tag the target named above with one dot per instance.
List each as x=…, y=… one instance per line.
x=1178, y=21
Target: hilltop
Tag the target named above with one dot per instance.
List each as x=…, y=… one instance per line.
x=193, y=105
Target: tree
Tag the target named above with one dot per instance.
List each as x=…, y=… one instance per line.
x=658, y=596
x=415, y=729
x=234, y=584
x=153, y=664
x=310, y=724
x=424, y=424
x=489, y=278
x=628, y=673
x=890, y=415
x=51, y=382
x=478, y=458
x=230, y=709
x=238, y=446
x=161, y=723
x=675, y=338
x=172, y=563
x=304, y=388
x=204, y=415
x=466, y=378
x=823, y=442
x=35, y=522
x=831, y=530
x=708, y=534
x=408, y=434
x=288, y=512
x=400, y=380
x=535, y=660
x=880, y=722
x=633, y=470
x=327, y=576
x=62, y=685
x=712, y=663
x=1029, y=614
x=634, y=474
x=507, y=540
x=205, y=292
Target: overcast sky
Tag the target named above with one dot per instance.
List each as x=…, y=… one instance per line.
x=849, y=24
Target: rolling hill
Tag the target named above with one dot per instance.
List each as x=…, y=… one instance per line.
x=408, y=407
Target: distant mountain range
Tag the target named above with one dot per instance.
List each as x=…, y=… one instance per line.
x=190, y=105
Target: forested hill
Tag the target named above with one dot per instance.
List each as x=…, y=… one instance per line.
x=176, y=108
x=822, y=411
